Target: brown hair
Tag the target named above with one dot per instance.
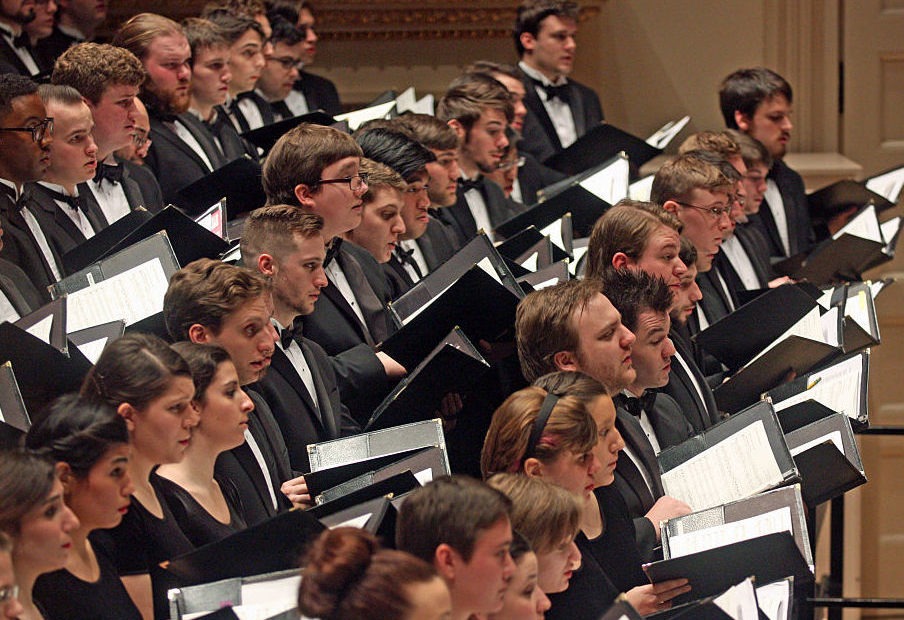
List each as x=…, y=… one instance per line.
x=678, y=177
x=348, y=577
x=300, y=156
x=205, y=292
x=545, y=514
x=58, y=93
x=470, y=95
x=626, y=228
x=531, y=14
x=752, y=150
x=569, y=428
x=720, y=143
x=92, y=68
x=429, y=131
x=137, y=34
x=25, y=481
x=572, y=383
x=203, y=359
x=202, y=34
x=271, y=230
x=248, y=8
x=380, y=176
x=544, y=324
x=633, y=291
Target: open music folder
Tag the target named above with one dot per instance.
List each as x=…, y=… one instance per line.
x=739, y=602
x=599, y=144
x=48, y=323
x=265, y=137
x=238, y=182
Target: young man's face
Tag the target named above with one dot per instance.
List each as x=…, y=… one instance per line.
x=73, y=154
x=114, y=118
x=42, y=25
x=484, y=144
x=444, y=174
x=281, y=71
x=246, y=62
x=604, y=345
x=86, y=11
x=248, y=336
x=21, y=158
x=336, y=203
x=516, y=90
x=687, y=297
x=506, y=172
x=551, y=52
x=381, y=224
x=210, y=76
x=660, y=257
x=298, y=277
x=652, y=352
x=306, y=19
x=481, y=582
x=755, y=184
x=169, y=71
x=705, y=230
x=415, y=203
x=770, y=124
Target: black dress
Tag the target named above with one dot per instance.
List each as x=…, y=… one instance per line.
x=63, y=596
x=615, y=550
x=590, y=592
x=198, y=525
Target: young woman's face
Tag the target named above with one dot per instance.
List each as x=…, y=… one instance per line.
x=43, y=542
x=556, y=566
x=162, y=430
x=224, y=412
x=101, y=498
x=524, y=599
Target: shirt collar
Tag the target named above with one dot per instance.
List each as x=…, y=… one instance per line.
x=539, y=77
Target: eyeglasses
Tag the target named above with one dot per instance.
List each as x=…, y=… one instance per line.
x=139, y=139
x=741, y=200
x=714, y=211
x=355, y=182
x=287, y=62
x=37, y=132
x=415, y=190
x=8, y=593
x=508, y=165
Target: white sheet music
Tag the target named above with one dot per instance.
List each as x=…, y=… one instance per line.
x=425, y=105
x=889, y=229
x=530, y=263
x=857, y=307
x=810, y=326
x=93, y=349
x=865, y=225
x=834, y=437
x=838, y=387
x=888, y=185
x=709, y=538
x=641, y=190
x=774, y=599
x=358, y=522
x=42, y=328
x=554, y=232
x=359, y=117
x=406, y=100
x=825, y=300
x=131, y=296
x=829, y=322
x=579, y=252
x=738, y=467
x=214, y=219
x=546, y=284
x=739, y=601
x=665, y=134
x=610, y=183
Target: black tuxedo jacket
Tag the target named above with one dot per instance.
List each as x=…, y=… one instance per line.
x=60, y=230
x=18, y=289
x=49, y=49
x=700, y=414
x=397, y=279
x=21, y=248
x=319, y=92
x=335, y=327
x=300, y=422
x=136, y=175
x=459, y=218
x=173, y=162
x=232, y=145
x=716, y=300
x=797, y=212
x=10, y=61
x=239, y=122
x=239, y=465
x=539, y=137
x=534, y=176
x=749, y=239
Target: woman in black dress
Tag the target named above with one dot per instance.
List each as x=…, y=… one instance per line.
x=151, y=387
x=90, y=444
x=205, y=509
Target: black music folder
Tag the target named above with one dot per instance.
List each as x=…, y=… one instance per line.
x=842, y=195
x=91, y=341
x=858, y=323
x=273, y=545
x=48, y=323
x=377, y=516
x=599, y=144
x=737, y=603
x=14, y=419
x=327, y=478
x=741, y=456
x=454, y=365
x=621, y=610
x=530, y=241
x=548, y=276
x=887, y=183
x=766, y=558
x=388, y=487
x=99, y=245
x=265, y=137
x=239, y=182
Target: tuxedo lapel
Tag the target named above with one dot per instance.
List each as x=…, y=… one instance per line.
x=132, y=190
x=535, y=106
x=283, y=365
x=576, y=105
x=637, y=440
x=332, y=293
x=328, y=417
x=14, y=296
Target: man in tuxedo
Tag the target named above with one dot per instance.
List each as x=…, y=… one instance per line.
x=109, y=78
x=479, y=109
x=758, y=102
x=286, y=245
x=319, y=92
x=279, y=75
x=183, y=149
x=25, y=139
x=67, y=216
x=18, y=296
x=317, y=169
x=76, y=22
x=212, y=302
x=559, y=110
x=15, y=48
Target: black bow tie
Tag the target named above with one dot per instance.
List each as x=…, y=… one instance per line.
x=636, y=406
x=331, y=251
x=22, y=41
x=406, y=258
x=288, y=334
x=73, y=201
x=469, y=184
x=561, y=92
x=111, y=173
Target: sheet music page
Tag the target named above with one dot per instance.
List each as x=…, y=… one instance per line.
x=888, y=185
x=718, y=536
x=857, y=307
x=578, y=255
x=640, y=190
x=546, y=284
x=406, y=100
x=610, y=183
x=738, y=467
x=93, y=349
x=829, y=322
x=838, y=387
x=739, y=601
x=424, y=105
x=665, y=134
x=825, y=300
x=131, y=296
x=834, y=437
x=531, y=262
x=889, y=229
x=213, y=220
x=865, y=225
x=774, y=600
x=554, y=232
x=42, y=328
x=810, y=326
x=424, y=476
x=876, y=287
x=359, y=117
x=276, y=591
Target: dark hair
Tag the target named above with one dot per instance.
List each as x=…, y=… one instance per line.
x=25, y=480
x=285, y=31
x=245, y=8
x=272, y=230
x=531, y=14
x=495, y=68
x=745, y=89
x=203, y=359
x=348, y=577
x=687, y=252
x=288, y=10
x=752, y=150
x=134, y=369
x=572, y=383
x=717, y=160
x=520, y=546
x=396, y=150
x=452, y=510
x=233, y=26
x=633, y=291
x=429, y=131
x=470, y=95
x=77, y=431
x=202, y=34
x=13, y=86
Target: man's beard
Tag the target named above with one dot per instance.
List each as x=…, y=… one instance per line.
x=166, y=103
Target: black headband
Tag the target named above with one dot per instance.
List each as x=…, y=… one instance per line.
x=536, y=432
